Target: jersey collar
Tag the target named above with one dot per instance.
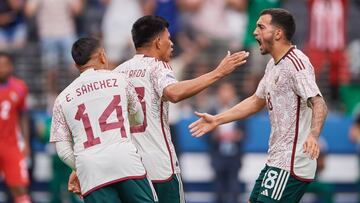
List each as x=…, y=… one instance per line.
x=291, y=48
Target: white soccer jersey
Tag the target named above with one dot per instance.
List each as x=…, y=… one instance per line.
x=287, y=86
x=150, y=76
x=93, y=112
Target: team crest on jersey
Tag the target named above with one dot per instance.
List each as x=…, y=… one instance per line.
x=276, y=80
x=13, y=96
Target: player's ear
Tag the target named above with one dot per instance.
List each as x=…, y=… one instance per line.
x=103, y=56
x=279, y=33
x=157, y=42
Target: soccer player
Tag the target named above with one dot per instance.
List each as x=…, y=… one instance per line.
x=13, y=122
x=296, y=108
x=156, y=86
x=93, y=112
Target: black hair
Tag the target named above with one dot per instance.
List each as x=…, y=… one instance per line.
x=282, y=18
x=6, y=55
x=146, y=28
x=83, y=48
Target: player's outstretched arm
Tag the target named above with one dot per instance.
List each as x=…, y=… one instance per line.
x=203, y=125
x=185, y=89
x=319, y=113
x=208, y=122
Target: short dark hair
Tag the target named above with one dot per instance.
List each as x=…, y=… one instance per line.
x=83, y=48
x=282, y=18
x=6, y=55
x=146, y=28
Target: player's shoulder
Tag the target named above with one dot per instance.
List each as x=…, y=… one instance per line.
x=17, y=81
x=296, y=61
x=140, y=60
x=18, y=84
x=109, y=73
x=135, y=61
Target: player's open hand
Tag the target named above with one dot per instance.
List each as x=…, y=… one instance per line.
x=205, y=124
x=231, y=61
x=311, y=146
x=74, y=184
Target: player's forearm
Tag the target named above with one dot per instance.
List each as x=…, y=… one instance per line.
x=242, y=110
x=65, y=152
x=185, y=89
x=24, y=123
x=319, y=113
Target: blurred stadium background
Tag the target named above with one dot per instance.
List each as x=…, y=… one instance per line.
x=202, y=31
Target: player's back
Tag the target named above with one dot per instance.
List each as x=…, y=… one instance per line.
x=95, y=108
x=153, y=139
x=12, y=103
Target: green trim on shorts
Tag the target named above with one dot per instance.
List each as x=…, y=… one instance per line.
x=171, y=191
x=127, y=191
x=278, y=186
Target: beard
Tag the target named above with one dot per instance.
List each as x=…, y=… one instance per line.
x=267, y=45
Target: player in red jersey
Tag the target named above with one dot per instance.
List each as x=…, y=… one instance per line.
x=13, y=124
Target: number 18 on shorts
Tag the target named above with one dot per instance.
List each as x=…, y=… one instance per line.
x=277, y=185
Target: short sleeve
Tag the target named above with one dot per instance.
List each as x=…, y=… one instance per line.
x=59, y=128
x=133, y=98
x=305, y=83
x=260, y=91
x=162, y=76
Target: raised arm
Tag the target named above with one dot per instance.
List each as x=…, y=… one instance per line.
x=185, y=89
x=207, y=122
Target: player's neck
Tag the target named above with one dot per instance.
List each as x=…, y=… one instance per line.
x=147, y=52
x=279, y=50
x=95, y=66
